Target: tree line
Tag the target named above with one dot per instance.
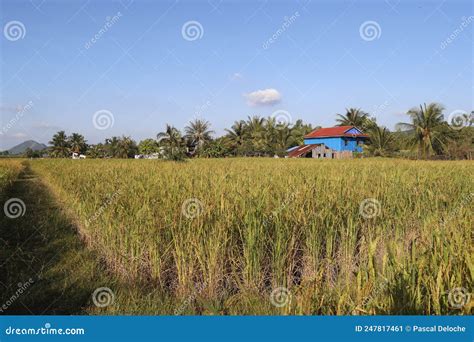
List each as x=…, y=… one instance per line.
x=426, y=135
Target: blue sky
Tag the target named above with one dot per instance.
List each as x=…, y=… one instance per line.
x=145, y=70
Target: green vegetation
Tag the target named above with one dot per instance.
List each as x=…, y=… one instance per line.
x=218, y=236
x=427, y=136
x=429, y=128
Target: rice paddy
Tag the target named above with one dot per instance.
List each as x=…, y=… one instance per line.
x=265, y=236
x=9, y=170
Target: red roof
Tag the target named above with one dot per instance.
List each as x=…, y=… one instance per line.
x=337, y=131
x=303, y=149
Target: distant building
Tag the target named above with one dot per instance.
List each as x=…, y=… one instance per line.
x=78, y=156
x=149, y=156
x=332, y=142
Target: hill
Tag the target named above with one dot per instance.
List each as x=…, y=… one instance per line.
x=21, y=148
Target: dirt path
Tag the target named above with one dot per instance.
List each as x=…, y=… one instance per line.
x=44, y=267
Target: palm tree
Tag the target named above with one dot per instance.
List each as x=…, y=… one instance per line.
x=126, y=148
x=198, y=133
x=236, y=136
x=380, y=140
x=111, y=146
x=60, y=145
x=173, y=143
x=96, y=151
x=271, y=128
x=428, y=127
x=256, y=132
x=299, y=130
x=170, y=136
x=284, y=139
x=255, y=123
x=77, y=143
x=353, y=117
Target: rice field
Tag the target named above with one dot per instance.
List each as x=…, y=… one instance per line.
x=265, y=236
x=9, y=170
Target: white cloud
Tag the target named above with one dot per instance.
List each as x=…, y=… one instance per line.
x=265, y=97
x=236, y=76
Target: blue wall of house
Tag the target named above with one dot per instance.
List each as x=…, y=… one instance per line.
x=337, y=144
x=333, y=143
x=351, y=145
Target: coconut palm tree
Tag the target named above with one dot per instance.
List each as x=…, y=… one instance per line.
x=353, y=117
x=256, y=134
x=271, y=128
x=173, y=143
x=428, y=128
x=255, y=123
x=60, y=145
x=170, y=136
x=111, y=146
x=236, y=136
x=126, y=148
x=77, y=143
x=299, y=130
x=380, y=140
x=284, y=138
x=198, y=133
x=97, y=151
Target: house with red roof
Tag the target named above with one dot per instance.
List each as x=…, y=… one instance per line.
x=331, y=142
